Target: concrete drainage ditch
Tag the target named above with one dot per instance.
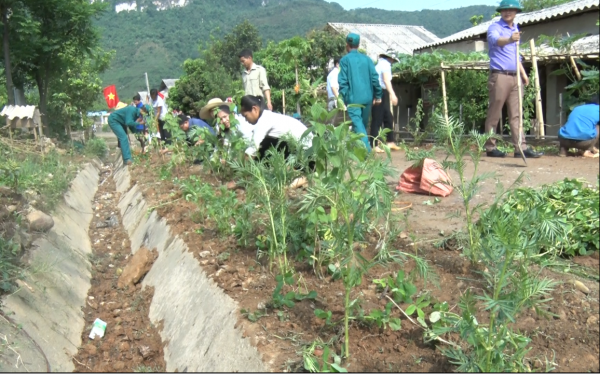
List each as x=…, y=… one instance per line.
x=197, y=318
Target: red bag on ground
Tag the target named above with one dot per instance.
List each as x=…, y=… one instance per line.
x=430, y=179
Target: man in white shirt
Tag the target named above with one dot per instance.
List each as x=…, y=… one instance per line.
x=381, y=114
x=333, y=87
x=160, y=111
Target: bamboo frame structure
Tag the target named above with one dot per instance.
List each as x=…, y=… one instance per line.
x=444, y=92
x=541, y=131
x=575, y=68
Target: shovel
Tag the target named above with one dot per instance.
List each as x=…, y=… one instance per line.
x=520, y=108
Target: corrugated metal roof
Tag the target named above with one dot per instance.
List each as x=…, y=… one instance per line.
x=18, y=111
x=377, y=39
x=521, y=19
x=585, y=46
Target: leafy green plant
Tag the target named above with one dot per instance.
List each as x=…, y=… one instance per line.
x=321, y=363
x=512, y=286
x=415, y=124
x=326, y=315
x=96, y=147
x=567, y=205
x=10, y=172
x=267, y=181
x=382, y=319
x=253, y=316
x=280, y=299
x=350, y=190
x=418, y=306
x=450, y=132
x=400, y=288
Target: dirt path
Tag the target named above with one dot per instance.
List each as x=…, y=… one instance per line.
x=131, y=341
x=427, y=221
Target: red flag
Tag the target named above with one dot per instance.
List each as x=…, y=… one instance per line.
x=110, y=95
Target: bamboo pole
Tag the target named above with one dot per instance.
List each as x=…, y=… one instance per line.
x=520, y=106
x=575, y=68
x=444, y=93
x=538, y=93
x=283, y=99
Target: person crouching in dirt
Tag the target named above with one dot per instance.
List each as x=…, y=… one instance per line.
x=581, y=130
x=269, y=130
x=219, y=113
x=187, y=125
x=121, y=120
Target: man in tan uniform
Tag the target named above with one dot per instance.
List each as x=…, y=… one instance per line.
x=254, y=78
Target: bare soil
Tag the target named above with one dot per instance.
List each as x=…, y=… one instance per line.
x=131, y=341
x=571, y=336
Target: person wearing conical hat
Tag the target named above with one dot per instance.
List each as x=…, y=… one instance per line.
x=381, y=114
x=505, y=69
x=359, y=84
x=126, y=118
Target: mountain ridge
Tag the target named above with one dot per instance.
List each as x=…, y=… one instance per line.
x=158, y=41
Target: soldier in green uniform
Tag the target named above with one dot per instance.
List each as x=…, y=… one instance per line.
x=120, y=120
x=359, y=84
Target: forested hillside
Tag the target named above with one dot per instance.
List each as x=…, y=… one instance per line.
x=158, y=42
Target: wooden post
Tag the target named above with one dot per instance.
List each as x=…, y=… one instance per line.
x=575, y=68
x=283, y=99
x=519, y=88
x=538, y=93
x=444, y=92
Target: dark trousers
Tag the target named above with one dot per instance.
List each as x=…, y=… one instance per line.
x=281, y=146
x=583, y=145
x=165, y=136
x=382, y=118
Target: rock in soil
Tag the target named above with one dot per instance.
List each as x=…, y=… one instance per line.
x=40, y=221
x=140, y=264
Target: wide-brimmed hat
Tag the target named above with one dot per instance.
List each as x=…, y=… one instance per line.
x=390, y=54
x=207, y=111
x=120, y=105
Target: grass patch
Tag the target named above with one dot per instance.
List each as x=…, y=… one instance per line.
x=96, y=147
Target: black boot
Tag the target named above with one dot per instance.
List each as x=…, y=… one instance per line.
x=496, y=153
x=529, y=153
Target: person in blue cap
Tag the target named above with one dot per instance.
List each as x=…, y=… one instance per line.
x=120, y=120
x=359, y=84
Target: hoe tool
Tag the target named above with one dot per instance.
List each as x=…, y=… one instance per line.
x=520, y=108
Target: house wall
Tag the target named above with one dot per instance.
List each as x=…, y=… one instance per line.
x=408, y=97
x=555, y=113
x=584, y=23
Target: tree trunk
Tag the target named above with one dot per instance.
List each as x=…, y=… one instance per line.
x=7, y=66
x=43, y=92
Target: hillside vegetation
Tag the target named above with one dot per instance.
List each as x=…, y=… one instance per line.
x=157, y=42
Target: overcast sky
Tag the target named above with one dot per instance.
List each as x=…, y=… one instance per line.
x=410, y=5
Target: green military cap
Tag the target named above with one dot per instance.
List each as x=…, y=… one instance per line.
x=353, y=39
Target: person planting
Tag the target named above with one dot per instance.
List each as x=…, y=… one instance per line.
x=359, y=84
x=127, y=118
x=219, y=112
x=187, y=124
x=502, y=37
x=581, y=130
x=271, y=130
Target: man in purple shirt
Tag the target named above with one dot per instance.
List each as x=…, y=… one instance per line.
x=502, y=37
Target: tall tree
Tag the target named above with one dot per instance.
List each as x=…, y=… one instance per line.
x=65, y=28
x=5, y=9
x=225, y=52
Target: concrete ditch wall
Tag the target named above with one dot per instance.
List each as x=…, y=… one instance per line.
x=198, y=317
x=51, y=311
